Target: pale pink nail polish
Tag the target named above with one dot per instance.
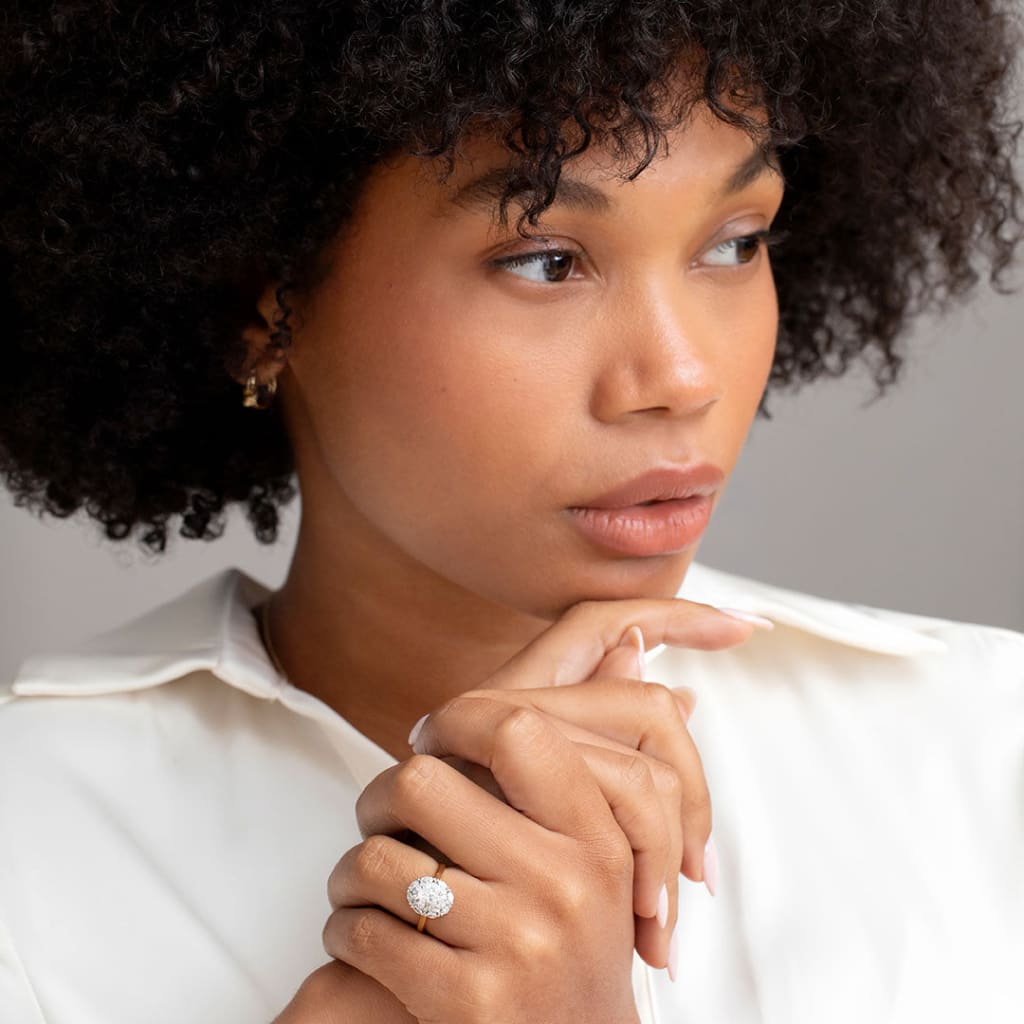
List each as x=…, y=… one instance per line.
x=663, y=905
x=711, y=865
x=416, y=729
x=635, y=634
x=757, y=620
x=673, y=953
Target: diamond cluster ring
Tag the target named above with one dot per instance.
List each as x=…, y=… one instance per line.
x=429, y=897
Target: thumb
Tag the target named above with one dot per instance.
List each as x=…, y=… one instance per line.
x=626, y=659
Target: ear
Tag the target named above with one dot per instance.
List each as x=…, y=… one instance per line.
x=255, y=336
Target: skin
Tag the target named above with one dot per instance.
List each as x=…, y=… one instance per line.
x=446, y=413
x=531, y=873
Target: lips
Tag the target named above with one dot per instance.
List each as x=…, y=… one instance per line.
x=663, y=483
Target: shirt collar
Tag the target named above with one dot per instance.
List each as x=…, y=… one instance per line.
x=210, y=626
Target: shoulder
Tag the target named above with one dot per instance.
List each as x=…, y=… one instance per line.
x=834, y=638
x=967, y=642
x=133, y=702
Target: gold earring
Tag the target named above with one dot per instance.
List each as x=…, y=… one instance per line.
x=256, y=395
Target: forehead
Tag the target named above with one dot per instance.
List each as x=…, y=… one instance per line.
x=704, y=154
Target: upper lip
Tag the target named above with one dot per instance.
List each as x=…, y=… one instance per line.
x=662, y=484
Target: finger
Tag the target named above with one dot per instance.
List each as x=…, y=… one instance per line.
x=647, y=879
x=647, y=810
x=396, y=955
x=622, y=782
x=467, y=825
x=628, y=715
x=686, y=698
x=337, y=993
x=540, y=771
x=625, y=659
x=650, y=940
x=618, y=663
x=570, y=650
x=378, y=872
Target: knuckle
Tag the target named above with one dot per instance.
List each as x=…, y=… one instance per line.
x=667, y=780
x=614, y=862
x=658, y=699
x=536, y=944
x=374, y=858
x=520, y=724
x=582, y=609
x=573, y=898
x=637, y=772
x=412, y=777
x=363, y=933
x=617, y=855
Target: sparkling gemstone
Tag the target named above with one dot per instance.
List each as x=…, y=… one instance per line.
x=430, y=896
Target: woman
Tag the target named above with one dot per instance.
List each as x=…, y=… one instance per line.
x=242, y=244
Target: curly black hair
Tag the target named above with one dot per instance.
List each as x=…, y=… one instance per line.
x=162, y=162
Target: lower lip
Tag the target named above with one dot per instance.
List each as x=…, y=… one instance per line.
x=659, y=529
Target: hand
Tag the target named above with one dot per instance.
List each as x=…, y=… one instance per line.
x=680, y=623
x=336, y=993
x=542, y=927
x=647, y=763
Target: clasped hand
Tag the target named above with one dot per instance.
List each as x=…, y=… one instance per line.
x=562, y=811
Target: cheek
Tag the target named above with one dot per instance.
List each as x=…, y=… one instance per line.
x=428, y=404
x=751, y=326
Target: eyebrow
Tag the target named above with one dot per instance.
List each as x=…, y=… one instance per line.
x=484, y=191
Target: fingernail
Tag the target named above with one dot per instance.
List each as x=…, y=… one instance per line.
x=711, y=865
x=416, y=729
x=673, y=952
x=663, y=905
x=635, y=636
x=678, y=690
x=757, y=620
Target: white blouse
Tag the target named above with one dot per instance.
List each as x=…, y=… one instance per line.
x=171, y=808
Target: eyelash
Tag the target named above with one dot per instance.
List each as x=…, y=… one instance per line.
x=767, y=238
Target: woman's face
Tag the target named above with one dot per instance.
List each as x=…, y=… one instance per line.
x=447, y=411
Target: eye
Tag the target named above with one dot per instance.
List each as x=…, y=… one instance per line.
x=736, y=252
x=552, y=264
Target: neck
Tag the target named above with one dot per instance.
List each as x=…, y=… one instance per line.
x=384, y=641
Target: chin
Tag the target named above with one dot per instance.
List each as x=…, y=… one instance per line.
x=614, y=579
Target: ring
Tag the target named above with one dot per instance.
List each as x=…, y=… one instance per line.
x=429, y=897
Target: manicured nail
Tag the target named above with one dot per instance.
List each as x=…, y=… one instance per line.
x=757, y=620
x=635, y=636
x=416, y=729
x=663, y=905
x=673, y=952
x=678, y=691
x=711, y=865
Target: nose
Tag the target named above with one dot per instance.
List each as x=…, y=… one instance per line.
x=658, y=357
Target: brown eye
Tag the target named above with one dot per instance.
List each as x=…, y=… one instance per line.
x=746, y=249
x=736, y=251
x=554, y=264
